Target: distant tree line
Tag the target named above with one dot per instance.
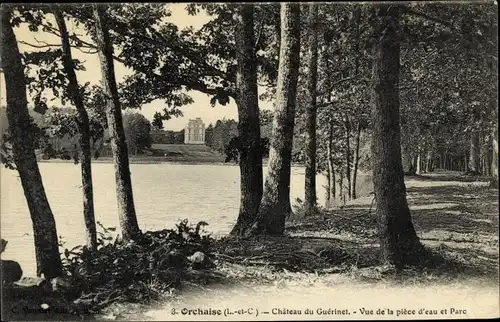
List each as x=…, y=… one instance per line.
x=58, y=141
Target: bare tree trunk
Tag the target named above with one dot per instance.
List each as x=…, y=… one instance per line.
x=348, y=155
x=356, y=162
x=21, y=128
x=312, y=78
x=474, y=156
x=341, y=184
x=398, y=239
x=487, y=156
x=428, y=161
x=494, y=163
x=250, y=160
x=419, y=161
x=328, y=199
x=125, y=198
x=275, y=205
x=84, y=129
x=407, y=161
x=331, y=168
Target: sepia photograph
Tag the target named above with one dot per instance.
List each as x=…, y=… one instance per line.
x=249, y=161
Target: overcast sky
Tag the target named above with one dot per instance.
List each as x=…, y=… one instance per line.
x=201, y=106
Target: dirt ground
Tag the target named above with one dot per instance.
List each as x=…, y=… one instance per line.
x=327, y=267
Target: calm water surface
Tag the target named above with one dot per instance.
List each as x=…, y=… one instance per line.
x=163, y=194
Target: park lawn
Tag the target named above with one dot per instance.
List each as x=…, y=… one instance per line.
x=330, y=260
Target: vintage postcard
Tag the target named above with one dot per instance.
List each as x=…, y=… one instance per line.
x=249, y=161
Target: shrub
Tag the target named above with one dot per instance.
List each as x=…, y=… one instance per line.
x=124, y=271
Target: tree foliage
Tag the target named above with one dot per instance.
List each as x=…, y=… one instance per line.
x=138, y=132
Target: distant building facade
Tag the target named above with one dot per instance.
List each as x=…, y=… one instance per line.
x=194, y=133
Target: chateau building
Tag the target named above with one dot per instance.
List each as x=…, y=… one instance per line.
x=194, y=132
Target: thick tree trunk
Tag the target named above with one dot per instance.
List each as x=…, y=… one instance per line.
x=275, y=206
x=21, y=126
x=125, y=198
x=84, y=129
x=474, y=155
x=356, y=162
x=312, y=78
x=250, y=159
x=398, y=239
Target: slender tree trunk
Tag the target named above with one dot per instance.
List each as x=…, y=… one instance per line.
x=414, y=160
x=275, y=206
x=419, y=161
x=21, y=128
x=406, y=160
x=348, y=155
x=84, y=129
x=494, y=163
x=398, y=239
x=125, y=198
x=312, y=78
x=487, y=156
x=341, y=184
x=356, y=162
x=474, y=156
x=250, y=160
x=482, y=150
x=331, y=168
x=428, y=162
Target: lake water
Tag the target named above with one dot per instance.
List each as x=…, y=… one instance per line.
x=163, y=194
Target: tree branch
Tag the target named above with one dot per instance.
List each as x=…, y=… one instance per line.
x=257, y=41
x=427, y=17
x=340, y=81
x=195, y=86
x=90, y=52
x=37, y=46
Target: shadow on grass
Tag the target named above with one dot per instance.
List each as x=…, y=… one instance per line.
x=455, y=209
x=448, y=176
x=451, y=263
x=454, y=219
x=278, y=255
